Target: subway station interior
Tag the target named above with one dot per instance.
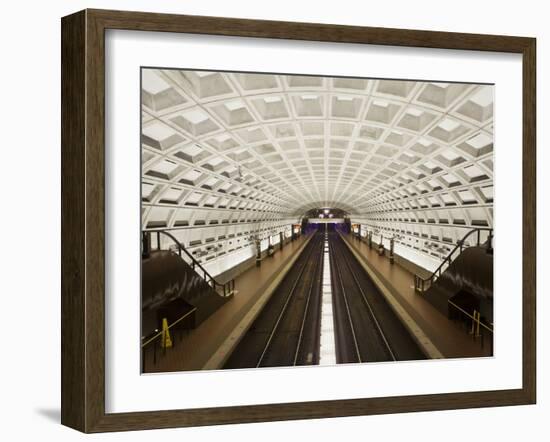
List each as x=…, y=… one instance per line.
x=292, y=220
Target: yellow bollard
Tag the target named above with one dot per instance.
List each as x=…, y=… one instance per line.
x=166, y=341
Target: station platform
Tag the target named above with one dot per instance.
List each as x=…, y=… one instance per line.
x=210, y=344
x=438, y=335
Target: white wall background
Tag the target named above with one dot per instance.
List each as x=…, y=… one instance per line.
x=30, y=183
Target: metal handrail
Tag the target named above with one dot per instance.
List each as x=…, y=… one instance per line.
x=156, y=335
x=227, y=287
x=159, y=337
x=422, y=284
x=477, y=320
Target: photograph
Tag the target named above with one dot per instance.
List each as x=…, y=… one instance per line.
x=267, y=220
x=271, y=222
x=303, y=220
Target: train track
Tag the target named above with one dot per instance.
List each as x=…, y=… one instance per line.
x=286, y=332
x=366, y=328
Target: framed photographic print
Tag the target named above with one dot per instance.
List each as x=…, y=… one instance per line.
x=273, y=220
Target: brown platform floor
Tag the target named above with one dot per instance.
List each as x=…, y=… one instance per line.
x=192, y=349
x=450, y=337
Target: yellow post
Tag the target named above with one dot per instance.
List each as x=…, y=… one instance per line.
x=166, y=341
x=472, y=331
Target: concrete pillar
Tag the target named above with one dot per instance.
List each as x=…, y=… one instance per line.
x=381, y=245
x=490, y=242
x=270, y=248
x=145, y=244
x=258, y=252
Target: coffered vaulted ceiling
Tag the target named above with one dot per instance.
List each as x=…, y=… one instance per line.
x=258, y=147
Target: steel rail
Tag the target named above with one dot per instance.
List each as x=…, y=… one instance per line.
x=283, y=310
x=310, y=291
x=343, y=291
x=155, y=336
x=367, y=303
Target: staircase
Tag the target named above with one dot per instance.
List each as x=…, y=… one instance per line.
x=464, y=278
x=175, y=286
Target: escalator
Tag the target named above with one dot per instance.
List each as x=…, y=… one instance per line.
x=173, y=287
x=464, y=280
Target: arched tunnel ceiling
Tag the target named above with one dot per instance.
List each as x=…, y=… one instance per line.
x=279, y=145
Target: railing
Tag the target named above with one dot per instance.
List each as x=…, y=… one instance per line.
x=227, y=288
x=478, y=329
x=422, y=284
x=159, y=339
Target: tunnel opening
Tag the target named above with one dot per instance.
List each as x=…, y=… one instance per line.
x=326, y=219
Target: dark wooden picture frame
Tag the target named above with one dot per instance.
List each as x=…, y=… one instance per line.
x=83, y=219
